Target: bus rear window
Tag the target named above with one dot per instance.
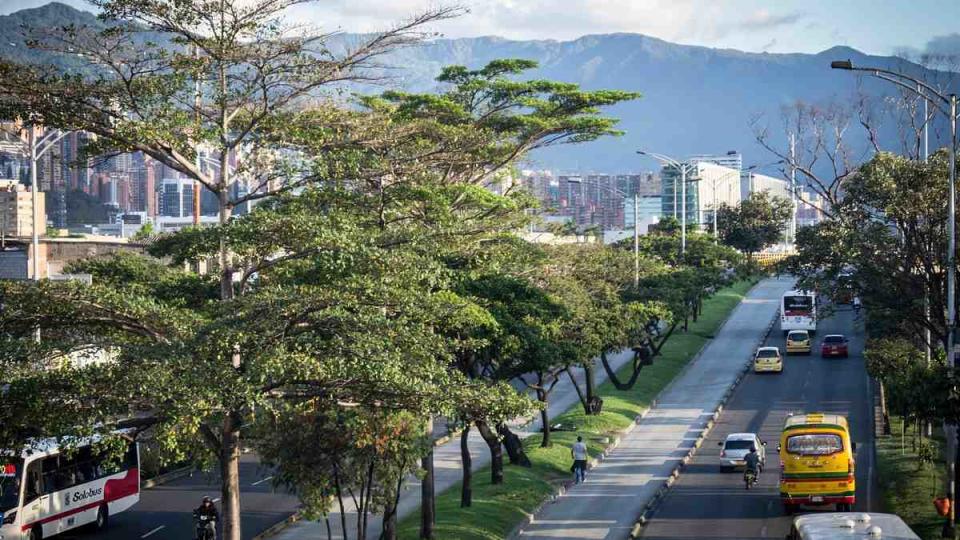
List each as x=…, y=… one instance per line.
x=798, y=304
x=814, y=444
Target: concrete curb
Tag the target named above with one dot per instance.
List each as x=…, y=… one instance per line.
x=169, y=476
x=275, y=529
x=528, y=518
x=652, y=505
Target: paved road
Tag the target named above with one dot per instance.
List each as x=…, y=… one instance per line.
x=164, y=512
x=705, y=503
x=607, y=504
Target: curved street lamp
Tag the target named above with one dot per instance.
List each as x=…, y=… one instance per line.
x=685, y=168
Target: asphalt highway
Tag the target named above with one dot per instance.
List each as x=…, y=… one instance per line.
x=705, y=503
x=165, y=512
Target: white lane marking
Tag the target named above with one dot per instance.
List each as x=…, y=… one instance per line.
x=763, y=531
x=158, y=529
x=258, y=482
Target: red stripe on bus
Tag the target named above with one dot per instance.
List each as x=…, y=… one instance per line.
x=113, y=490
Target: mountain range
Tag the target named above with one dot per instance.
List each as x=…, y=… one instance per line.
x=696, y=100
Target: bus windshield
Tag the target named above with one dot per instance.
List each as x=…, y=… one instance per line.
x=10, y=483
x=797, y=305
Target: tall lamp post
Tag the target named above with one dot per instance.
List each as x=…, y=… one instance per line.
x=946, y=104
x=636, y=226
x=684, y=168
x=37, y=148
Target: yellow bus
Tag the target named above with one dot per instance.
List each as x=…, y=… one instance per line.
x=816, y=462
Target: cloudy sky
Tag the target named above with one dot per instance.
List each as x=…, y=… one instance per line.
x=873, y=26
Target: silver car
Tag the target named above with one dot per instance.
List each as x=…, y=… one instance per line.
x=736, y=447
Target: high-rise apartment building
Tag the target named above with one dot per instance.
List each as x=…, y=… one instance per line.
x=708, y=186
x=176, y=197
x=16, y=209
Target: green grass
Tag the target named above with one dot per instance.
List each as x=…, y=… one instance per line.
x=497, y=509
x=908, y=491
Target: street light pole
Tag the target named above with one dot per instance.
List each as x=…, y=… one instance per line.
x=684, y=169
x=636, y=240
x=33, y=199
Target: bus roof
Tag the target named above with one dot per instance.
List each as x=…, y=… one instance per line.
x=50, y=445
x=814, y=419
x=798, y=293
x=852, y=525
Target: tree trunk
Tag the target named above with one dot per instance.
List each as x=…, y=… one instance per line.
x=496, y=452
x=544, y=419
x=230, y=477
x=427, y=503
x=580, y=395
x=466, y=488
x=591, y=384
x=884, y=413
x=514, y=446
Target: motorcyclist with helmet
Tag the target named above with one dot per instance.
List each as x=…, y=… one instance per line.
x=206, y=517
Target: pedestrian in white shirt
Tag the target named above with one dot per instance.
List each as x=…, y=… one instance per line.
x=579, y=453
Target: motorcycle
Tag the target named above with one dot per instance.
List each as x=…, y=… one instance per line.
x=206, y=526
x=749, y=477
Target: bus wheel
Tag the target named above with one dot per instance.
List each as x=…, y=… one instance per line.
x=36, y=533
x=103, y=517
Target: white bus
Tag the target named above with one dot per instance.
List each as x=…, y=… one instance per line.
x=830, y=526
x=798, y=311
x=44, y=492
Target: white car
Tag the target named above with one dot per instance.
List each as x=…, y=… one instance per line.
x=737, y=446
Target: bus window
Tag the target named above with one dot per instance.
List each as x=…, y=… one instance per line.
x=34, y=481
x=50, y=473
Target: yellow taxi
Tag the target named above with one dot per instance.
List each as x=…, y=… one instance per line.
x=817, y=462
x=798, y=341
x=768, y=359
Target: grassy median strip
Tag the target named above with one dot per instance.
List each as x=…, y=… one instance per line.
x=908, y=490
x=497, y=509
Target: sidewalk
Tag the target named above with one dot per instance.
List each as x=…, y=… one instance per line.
x=617, y=490
x=447, y=465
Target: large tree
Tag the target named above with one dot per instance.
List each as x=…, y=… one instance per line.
x=754, y=223
x=888, y=237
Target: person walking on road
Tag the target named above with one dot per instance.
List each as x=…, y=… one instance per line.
x=579, y=453
x=856, y=306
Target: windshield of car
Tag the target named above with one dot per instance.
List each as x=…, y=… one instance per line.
x=738, y=445
x=814, y=444
x=10, y=470
x=767, y=353
x=833, y=339
x=797, y=304
x=797, y=336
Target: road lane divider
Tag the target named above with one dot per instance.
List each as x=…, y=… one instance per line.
x=154, y=531
x=651, y=507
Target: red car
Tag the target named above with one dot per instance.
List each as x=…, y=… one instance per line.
x=834, y=345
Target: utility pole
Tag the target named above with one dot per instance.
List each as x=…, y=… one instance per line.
x=683, y=225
